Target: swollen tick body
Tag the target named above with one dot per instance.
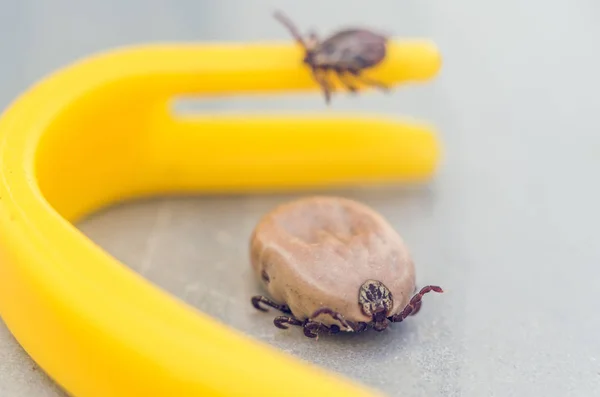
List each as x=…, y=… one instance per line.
x=332, y=264
x=347, y=53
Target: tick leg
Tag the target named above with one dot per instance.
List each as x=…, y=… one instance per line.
x=319, y=76
x=283, y=321
x=287, y=22
x=312, y=329
x=335, y=315
x=343, y=76
x=256, y=300
x=416, y=308
x=415, y=303
x=358, y=327
x=369, y=81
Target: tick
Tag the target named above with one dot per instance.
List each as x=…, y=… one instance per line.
x=331, y=265
x=347, y=53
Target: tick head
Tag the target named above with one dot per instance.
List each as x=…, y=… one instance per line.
x=376, y=301
x=311, y=46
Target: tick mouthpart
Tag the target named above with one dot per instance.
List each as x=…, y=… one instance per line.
x=380, y=321
x=379, y=315
x=379, y=310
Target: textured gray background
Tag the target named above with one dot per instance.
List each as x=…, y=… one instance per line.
x=508, y=228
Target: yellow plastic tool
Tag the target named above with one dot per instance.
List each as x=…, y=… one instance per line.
x=100, y=131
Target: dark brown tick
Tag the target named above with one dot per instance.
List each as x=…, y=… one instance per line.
x=347, y=53
x=332, y=264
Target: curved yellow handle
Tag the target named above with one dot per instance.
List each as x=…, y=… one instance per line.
x=100, y=131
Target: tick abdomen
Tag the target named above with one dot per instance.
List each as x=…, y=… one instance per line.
x=318, y=251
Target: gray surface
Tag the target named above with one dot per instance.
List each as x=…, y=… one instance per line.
x=508, y=228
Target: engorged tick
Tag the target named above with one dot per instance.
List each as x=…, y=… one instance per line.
x=347, y=53
x=332, y=264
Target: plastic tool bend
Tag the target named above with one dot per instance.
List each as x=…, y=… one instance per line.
x=99, y=132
